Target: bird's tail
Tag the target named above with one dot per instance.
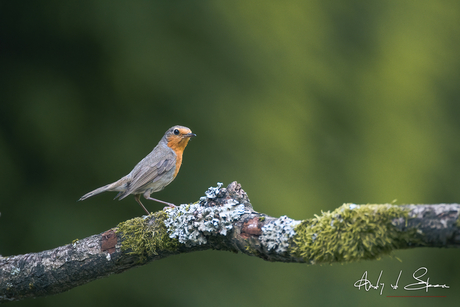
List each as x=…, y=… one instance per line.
x=92, y=193
x=116, y=186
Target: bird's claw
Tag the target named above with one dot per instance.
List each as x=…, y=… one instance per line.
x=169, y=206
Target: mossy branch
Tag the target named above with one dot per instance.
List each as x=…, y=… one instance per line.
x=225, y=220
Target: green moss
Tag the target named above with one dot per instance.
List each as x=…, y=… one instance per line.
x=145, y=239
x=345, y=235
x=250, y=250
x=457, y=223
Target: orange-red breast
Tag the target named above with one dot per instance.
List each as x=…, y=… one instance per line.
x=155, y=171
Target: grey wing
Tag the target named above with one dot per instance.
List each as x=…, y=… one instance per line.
x=146, y=173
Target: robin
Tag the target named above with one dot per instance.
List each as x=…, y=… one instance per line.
x=155, y=171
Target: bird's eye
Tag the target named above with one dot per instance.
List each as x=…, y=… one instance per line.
x=176, y=131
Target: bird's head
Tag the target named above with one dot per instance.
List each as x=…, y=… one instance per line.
x=177, y=137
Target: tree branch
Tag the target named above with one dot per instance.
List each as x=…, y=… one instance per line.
x=225, y=220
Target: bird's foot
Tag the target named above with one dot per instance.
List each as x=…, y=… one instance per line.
x=169, y=206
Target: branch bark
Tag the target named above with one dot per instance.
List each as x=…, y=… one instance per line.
x=225, y=220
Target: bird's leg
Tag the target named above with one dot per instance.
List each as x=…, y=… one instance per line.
x=147, y=196
x=137, y=197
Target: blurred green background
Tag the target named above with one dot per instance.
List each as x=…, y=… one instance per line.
x=308, y=104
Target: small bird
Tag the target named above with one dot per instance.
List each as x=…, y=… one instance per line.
x=155, y=171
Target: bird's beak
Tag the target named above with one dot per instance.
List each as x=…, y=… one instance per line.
x=189, y=135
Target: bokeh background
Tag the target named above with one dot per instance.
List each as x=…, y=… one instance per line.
x=308, y=104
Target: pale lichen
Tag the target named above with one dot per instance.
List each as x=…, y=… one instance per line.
x=276, y=234
x=212, y=191
x=15, y=270
x=193, y=224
